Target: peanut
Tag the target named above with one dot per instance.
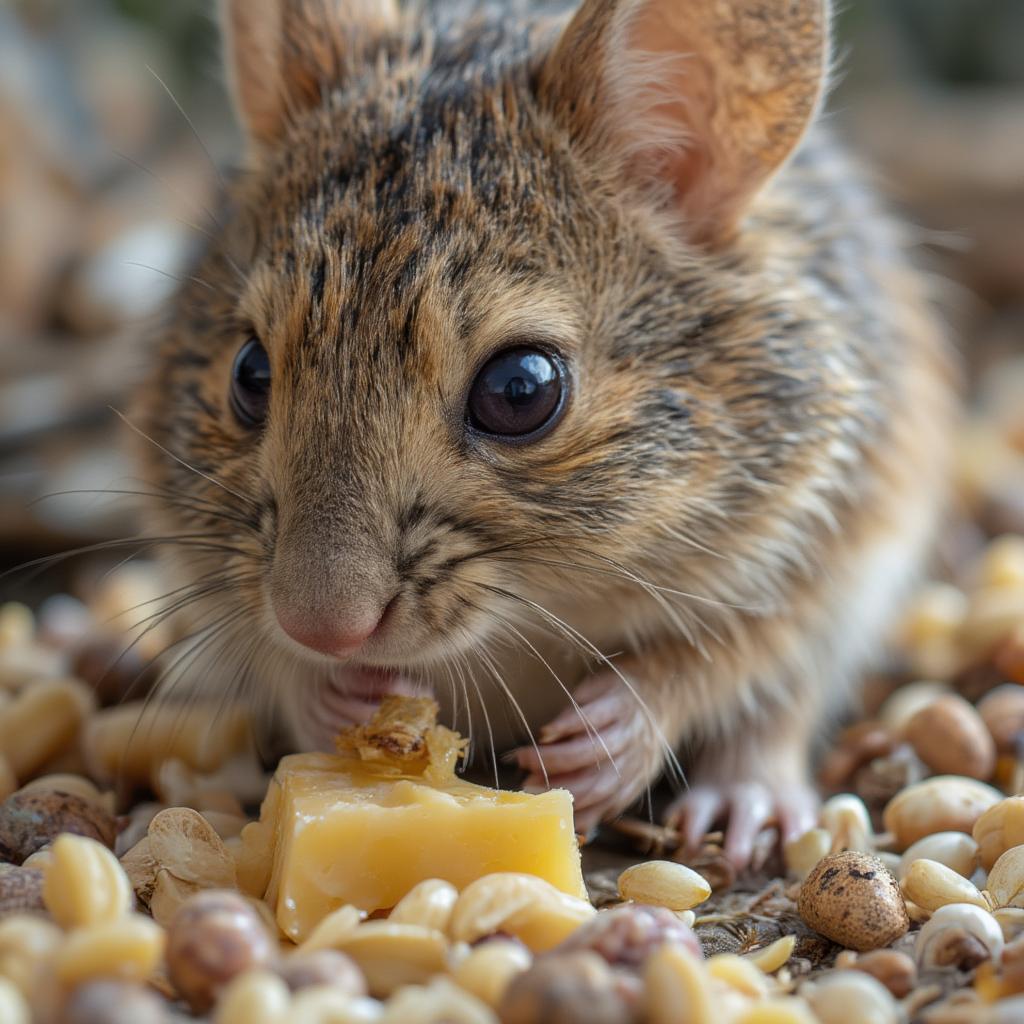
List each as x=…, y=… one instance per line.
x=999, y=829
x=851, y=997
x=950, y=737
x=945, y=803
x=256, y=997
x=428, y=904
x=931, y=885
x=323, y=967
x=27, y=944
x=392, y=955
x=956, y=850
x=84, y=884
x=41, y=722
x=112, y=1002
x=663, y=883
x=440, y=1002
x=804, y=853
x=487, y=970
x=186, y=845
x=674, y=978
x=127, y=948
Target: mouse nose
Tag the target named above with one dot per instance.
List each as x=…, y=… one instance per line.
x=337, y=635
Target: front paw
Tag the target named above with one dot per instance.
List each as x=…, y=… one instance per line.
x=743, y=808
x=605, y=751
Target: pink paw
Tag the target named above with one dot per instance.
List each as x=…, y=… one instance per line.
x=744, y=809
x=605, y=752
x=349, y=697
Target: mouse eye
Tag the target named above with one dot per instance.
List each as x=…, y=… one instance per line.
x=519, y=393
x=250, y=384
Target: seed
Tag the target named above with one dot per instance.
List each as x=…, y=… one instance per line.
x=848, y=823
x=945, y=803
x=958, y=934
x=803, y=853
x=112, y=1002
x=999, y=829
x=956, y=850
x=42, y=722
x=950, y=737
x=895, y=970
x=213, y=938
x=323, y=967
x=333, y=928
x=674, y=978
x=256, y=997
x=625, y=936
x=323, y=1004
x=27, y=944
x=1010, y=921
x=392, y=955
x=931, y=885
x=440, y=1002
x=429, y=903
x=84, y=884
x=850, y=997
x=781, y=1010
x=907, y=701
x=523, y=906
x=738, y=973
x=1002, y=711
x=1006, y=879
x=32, y=818
x=993, y=615
x=487, y=970
x=127, y=948
x=564, y=987
x=852, y=899
x=663, y=883
x=771, y=957
x=13, y=1008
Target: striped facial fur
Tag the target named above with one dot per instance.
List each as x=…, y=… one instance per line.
x=427, y=190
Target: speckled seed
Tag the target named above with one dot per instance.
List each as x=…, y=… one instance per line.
x=214, y=937
x=931, y=885
x=627, y=935
x=949, y=736
x=945, y=803
x=956, y=850
x=663, y=883
x=852, y=899
x=31, y=818
x=850, y=997
x=999, y=829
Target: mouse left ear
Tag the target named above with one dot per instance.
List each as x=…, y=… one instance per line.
x=282, y=55
x=699, y=101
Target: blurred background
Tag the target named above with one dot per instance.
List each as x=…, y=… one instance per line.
x=106, y=190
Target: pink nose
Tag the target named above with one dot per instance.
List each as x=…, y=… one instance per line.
x=337, y=638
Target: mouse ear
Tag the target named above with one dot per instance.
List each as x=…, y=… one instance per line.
x=701, y=101
x=282, y=54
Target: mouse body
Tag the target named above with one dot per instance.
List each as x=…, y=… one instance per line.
x=555, y=360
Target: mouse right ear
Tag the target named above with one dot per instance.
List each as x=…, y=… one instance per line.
x=281, y=55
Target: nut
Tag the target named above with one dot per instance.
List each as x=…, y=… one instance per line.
x=21, y=889
x=950, y=737
x=852, y=899
x=392, y=955
x=802, y=854
x=333, y=929
x=84, y=884
x=186, y=845
x=440, y=1002
x=931, y=885
x=429, y=903
x=848, y=823
x=956, y=850
x=13, y=1008
x=126, y=948
x=739, y=974
x=663, y=883
x=1010, y=921
x=850, y=997
x=524, y=906
x=42, y=722
x=780, y=1010
x=27, y=944
x=773, y=956
x=999, y=829
x=907, y=701
x=958, y=935
x=1008, y=658
x=256, y=997
x=214, y=937
x=112, y=1002
x=895, y=970
x=169, y=895
x=322, y=1004
x=323, y=967
x=945, y=803
x=626, y=936
x=1006, y=879
x=1002, y=711
x=487, y=970
x=29, y=819
x=674, y=978
x=564, y=988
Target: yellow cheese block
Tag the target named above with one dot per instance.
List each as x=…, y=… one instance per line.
x=362, y=827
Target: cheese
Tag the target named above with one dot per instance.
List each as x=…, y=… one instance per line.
x=363, y=826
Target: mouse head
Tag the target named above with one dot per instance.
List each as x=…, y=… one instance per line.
x=478, y=331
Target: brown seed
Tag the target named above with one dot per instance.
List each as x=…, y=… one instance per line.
x=112, y=1002
x=31, y=819
x=212, y=938
x=1009, y=656
x=1002, y=711
x=567, y=988
x=950, y=737
x=21, y=889
x=851, y=898
x=895, y=970
x=323, y=967
x=625, y=936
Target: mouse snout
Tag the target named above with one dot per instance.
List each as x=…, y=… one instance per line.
x=337, y=632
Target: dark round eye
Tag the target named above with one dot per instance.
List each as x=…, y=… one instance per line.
x=519, y=392
x=250, y=384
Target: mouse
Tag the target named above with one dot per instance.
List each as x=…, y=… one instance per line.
x=556, y=360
